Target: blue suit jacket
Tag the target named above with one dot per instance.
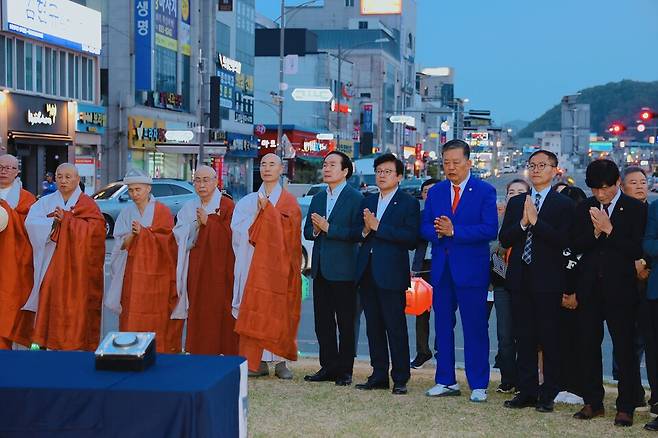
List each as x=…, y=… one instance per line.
x=396, y=235
x=475, y=223
x=334, y=253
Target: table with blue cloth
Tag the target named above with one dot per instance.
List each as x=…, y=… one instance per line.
x=60, y=394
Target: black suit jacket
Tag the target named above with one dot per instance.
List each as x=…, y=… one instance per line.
x=388, y=248
x=610, y=259
x=550, y=236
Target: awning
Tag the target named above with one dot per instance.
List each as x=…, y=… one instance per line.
x=37, y=138
x=191, y=149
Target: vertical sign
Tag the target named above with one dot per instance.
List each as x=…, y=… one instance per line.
x=366, y=126
x=166, y=24
x=143, y=44
x=185, y=21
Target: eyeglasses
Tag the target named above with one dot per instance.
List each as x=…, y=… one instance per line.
x=384, y=172
x=539, y=166
x=7, y=168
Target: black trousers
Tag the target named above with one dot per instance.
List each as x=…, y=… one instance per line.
x=536, y=324
x=386, y=327
x=570, y=371
x=334, y=305
x=648, y=323
x=423, y=323
x=618, y=310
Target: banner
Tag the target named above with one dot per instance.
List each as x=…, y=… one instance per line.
x=185, y=29
x=366, y=125
x=166, y=24
x=143, y=25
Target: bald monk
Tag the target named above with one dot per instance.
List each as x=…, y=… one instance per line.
x=204, y=273
x=16, y=256
x=67, y=232
x=143, y=267
x=267, y=291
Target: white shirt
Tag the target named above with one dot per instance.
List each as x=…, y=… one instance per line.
x=462, y=187
x=383, y=201
x=332, y=197
x=611, y=207
x=4, y=193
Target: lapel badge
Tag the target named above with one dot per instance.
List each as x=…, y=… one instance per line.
x=621, y=208
x=470, y=189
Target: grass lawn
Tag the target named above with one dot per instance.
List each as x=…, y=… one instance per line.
x=301, y=409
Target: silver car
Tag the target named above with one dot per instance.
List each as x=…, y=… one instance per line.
x=112, y=198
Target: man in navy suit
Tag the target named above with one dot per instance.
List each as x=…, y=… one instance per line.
x=537, y=226
x=389, y=229
x=332, y=217
x=459, y=220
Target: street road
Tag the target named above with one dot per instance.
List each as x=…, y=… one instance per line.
x=306, y=336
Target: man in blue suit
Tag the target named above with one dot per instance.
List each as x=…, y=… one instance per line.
x=389, y=229
x=459, y=220
x=332, y=217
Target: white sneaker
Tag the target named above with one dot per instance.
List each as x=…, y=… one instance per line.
x=479, y=395
x=440, y=390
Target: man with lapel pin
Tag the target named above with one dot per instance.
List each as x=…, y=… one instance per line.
x=389, y=230
x=332, y=216
x=459, y=220
x=536, y=226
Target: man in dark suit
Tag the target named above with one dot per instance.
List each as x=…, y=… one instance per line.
x=422, y=266
x=536, y=226
x=332, y=217
x=459, y=220
x=608, y=232
x=389, y=229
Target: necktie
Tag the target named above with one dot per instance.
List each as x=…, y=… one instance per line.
x=455, y=201
x=527, y=249
x=605, y=208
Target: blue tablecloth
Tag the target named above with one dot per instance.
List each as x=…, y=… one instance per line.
x=60, y=394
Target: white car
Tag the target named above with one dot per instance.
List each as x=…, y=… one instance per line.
x=508, y=169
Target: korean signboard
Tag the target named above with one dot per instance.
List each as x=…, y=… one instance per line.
x=143, y=30
x=91, y=118
x=165, y=13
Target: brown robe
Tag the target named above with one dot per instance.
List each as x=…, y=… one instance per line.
x=149, y=283
x=69, y=313
x=271, y=302
x=17, y=275
x=210, y=324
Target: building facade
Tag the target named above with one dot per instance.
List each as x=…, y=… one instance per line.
x=50, y=81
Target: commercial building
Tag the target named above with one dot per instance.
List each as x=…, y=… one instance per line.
x=50, y=81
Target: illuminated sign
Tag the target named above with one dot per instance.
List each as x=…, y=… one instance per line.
x=59, y=22
x=381, y=7
x=229, y=64
x=312, y=94
x=91, y=118
x=46, y=118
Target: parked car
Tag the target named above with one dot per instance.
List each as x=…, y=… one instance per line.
x=412, y=187
x=112, y=198
x=508, y=169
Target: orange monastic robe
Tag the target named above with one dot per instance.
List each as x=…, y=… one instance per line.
x=68, y=315
x=149, y=283
x=271, y=302
x=210, y=325
x=17, y=274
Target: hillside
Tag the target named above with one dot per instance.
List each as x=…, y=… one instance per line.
x=615, y=101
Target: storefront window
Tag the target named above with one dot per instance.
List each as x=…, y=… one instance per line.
x=39, y=68
x=165, y=69
x=20, y=64
x=10, y=62
x=29, y=69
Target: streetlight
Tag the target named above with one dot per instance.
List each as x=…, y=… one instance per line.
x=341, y=55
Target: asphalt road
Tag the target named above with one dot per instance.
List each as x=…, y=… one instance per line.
x=307, y=341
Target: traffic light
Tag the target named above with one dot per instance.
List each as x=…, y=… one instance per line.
x=647, y=114
x=616, y=128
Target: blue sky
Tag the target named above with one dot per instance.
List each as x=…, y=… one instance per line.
x=518, y=58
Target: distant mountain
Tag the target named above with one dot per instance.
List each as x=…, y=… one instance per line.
x=612, y=102
x=515, y=125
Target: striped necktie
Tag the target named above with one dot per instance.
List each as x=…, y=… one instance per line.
x=527, y=249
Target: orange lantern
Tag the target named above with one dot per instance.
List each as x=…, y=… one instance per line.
x=419, y=297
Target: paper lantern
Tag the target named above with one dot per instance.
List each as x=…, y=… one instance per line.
x=419, y=297
x=4, y=219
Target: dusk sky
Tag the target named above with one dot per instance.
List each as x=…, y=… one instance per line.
x=518, y=58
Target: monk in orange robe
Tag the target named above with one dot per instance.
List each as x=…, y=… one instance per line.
x=269, y=303
x=143, y=267
x=204, y=274
x=67, y=232
x=16, y=254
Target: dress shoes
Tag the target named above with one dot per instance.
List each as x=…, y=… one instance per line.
x=652, y=425
x=622, y=419
x=521, y=401
x=321, y=376
x=545, y=407
x=654, y=409
x=345, y=380
x=282, y=371
x=399, y=389
x=587, y=413
x=420, y=360
x=372, y=384
x=263, y=370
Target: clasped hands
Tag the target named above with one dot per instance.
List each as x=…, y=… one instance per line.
x=371, y=223
x=320, y=224
x=202, y=216
x=530, y=213
x=601, y=222
x=444, y=227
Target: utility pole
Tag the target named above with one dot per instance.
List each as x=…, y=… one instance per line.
x=202, y=113
x=339, y=91
x=279, y=132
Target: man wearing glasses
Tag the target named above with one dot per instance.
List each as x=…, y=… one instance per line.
x=459, y=220
x=16, y=252
x=537, y=227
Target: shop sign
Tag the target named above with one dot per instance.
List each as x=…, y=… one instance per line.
x=313, y=146
x=48, y=117
x=166, y=23
x=144, y=133
x=91, y=118
x=244, y=108
x=346, y=147
x=226, y=88
x=163, y=99
x=142, y=32
x=35, y=114
x=229, y=64
x=60, y=22
x=259, y=129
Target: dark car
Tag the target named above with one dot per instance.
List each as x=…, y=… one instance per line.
x=412, y=186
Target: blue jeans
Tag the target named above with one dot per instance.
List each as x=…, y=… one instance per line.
x=506, y=356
